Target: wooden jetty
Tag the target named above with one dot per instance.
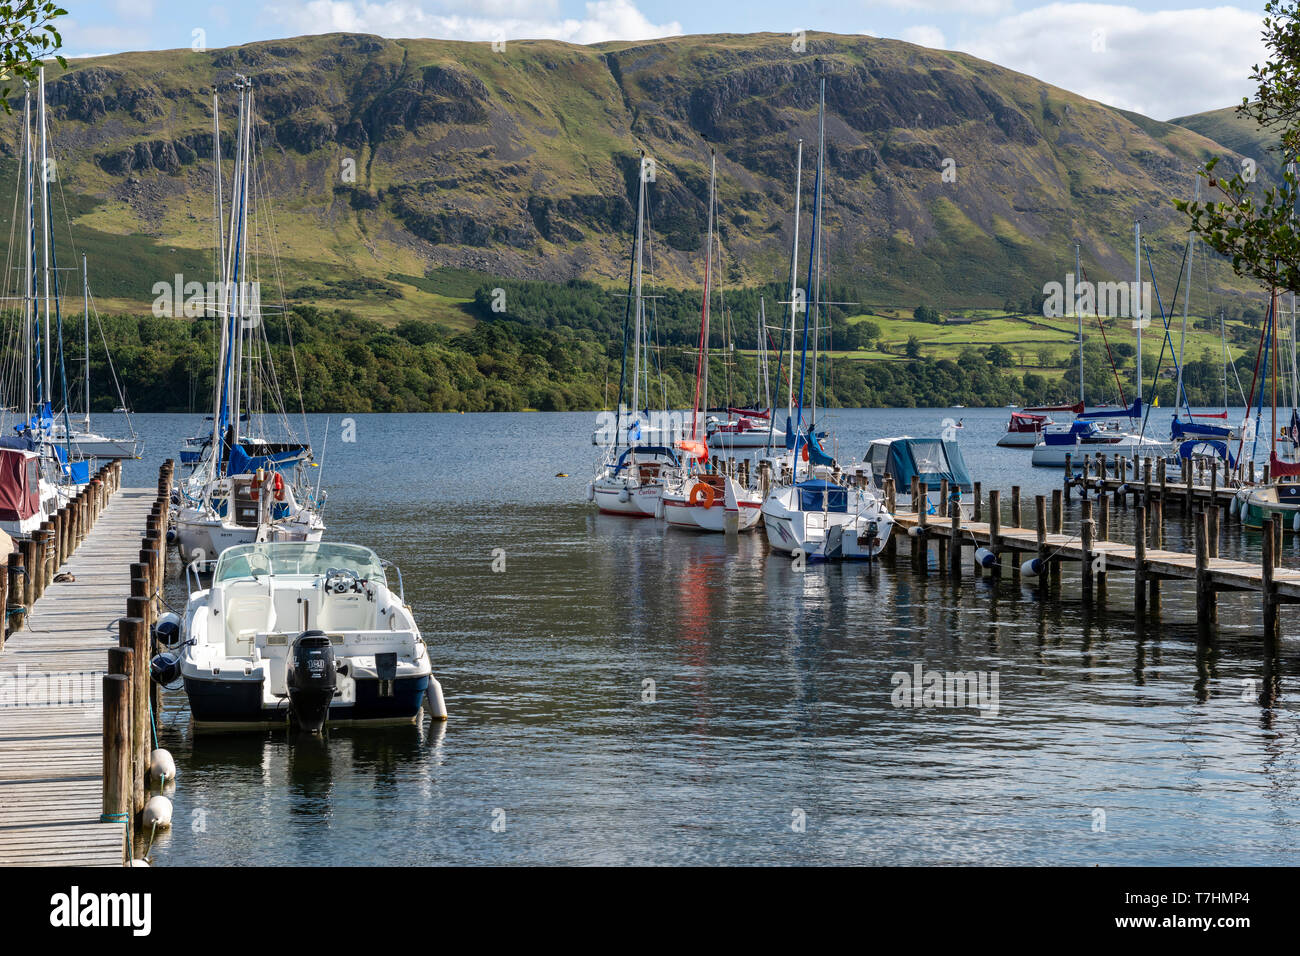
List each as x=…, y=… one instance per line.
x=1090, y=547
x=57, y=686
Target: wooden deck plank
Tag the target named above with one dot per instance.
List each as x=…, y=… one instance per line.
x=51, y=756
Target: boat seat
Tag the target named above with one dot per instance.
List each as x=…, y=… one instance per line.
x=248, y=611
x=345, y=612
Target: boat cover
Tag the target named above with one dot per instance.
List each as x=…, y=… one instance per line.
x=20, y=476
x=932, y=460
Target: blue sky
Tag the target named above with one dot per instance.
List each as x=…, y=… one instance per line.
x=1163, y=59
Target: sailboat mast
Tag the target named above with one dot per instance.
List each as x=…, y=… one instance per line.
x=85, y=331
x=218, y=204
x=45, y=235
x=1078, y=277
x=794, y=276
x=1187, y=296
x=702, y=357
x=762, y=352
x=241, y=279
x=29, y=292
x=1273, y=333
x=1137, y=301
x=637, y=306
x=817, y=244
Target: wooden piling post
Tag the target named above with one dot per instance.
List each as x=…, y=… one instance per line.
x=133, y=635
x=1016, y=520
x=117, y=749
x=1040, y=506
x=920, y=547
x=1272, y=630
x=891, y=505
x=4, y=597
x=16, y=611
x=956, y=538
x=943, y=512
x=995, y=530
x=1213, y=528
x=1140, y=560
x=1206, y=606
x=1085, y=551
x=978, y=513
x=28, y=549
x=1069, y=471
x=38, y=566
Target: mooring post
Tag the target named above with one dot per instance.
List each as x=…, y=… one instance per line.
x=1121, y=478
x=37, y=567
x=1277, y=541
x=1188, y=486
x=979, y=504
x=28, y=548
x=4, y=597
x=1158, y=524
x=16, y=611
x=131, y=633
x=943, y=512
x=1213, y=517
x=1206, y=605
x=117, y=750
x=1016, y=520
x=1069, y=471
x=1085, y=475
x=920, y=546
x=1040, y=506
x=956, y=538
x=891, y=506
x=995, y=530
x=1140, y=560
x=1085, y=539
x=1271, y=625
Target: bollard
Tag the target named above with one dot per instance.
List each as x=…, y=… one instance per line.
x=133, y=635
x=1085, y=551
x=1206, y=606
x=995, y=531
x=1140, y=560
x=117, y=750
x=1269, y=590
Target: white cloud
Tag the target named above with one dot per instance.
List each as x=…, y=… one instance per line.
x=925, y=36
x=1163, y=63
x=473, y=19
x=965, y=7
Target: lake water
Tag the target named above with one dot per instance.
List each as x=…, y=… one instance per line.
x=772, y=737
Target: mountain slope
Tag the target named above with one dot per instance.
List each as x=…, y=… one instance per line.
x=523, y=164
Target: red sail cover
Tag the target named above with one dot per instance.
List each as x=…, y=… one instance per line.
x=19, y=485
x=1277, y=468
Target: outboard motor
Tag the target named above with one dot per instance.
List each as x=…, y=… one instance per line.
x=311, y=679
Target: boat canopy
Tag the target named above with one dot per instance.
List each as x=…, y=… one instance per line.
x=648, y=451
x=77, y=471
x=932, y=460
x=1277, y=468
x=20, y=477
x=297, y=558
x=1200, y=447
x=1078, y=430
x=819, y=495
x=246, y=459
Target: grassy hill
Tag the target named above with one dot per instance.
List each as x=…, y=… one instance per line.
x=523, y=164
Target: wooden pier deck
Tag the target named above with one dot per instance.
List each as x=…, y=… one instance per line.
x=51, y=750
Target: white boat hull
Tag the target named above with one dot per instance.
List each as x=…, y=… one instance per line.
x=1053, y=456
x=857, y=534
x=744, y=507
x=1019, y=440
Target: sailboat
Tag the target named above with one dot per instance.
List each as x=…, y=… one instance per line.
x=247, y=488
x=697, y=497
x=37, y=474
x=88, y=443
x=1098, y=429
x=1280, y=498
x=629, y=478
x=817, y=515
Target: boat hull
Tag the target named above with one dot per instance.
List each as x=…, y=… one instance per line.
x=238, y=703
x=205, y=538
x=1053, y=456
x=1019, y=440
x=858, y=535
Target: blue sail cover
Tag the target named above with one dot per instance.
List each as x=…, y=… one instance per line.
x=1194, y=447
x=242, y=463
x=1133, y=411
x=818, y=495
x=816, y=455
x=42, y=421
x=1181, y=429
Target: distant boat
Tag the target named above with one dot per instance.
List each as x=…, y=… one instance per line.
x=1024, y=430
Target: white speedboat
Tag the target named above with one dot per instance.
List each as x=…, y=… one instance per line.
x=824, y=520
x=89, y=444
x=305, y=633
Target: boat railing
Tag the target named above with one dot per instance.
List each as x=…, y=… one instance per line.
x=401, y=588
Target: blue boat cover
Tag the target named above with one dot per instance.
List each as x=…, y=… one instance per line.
x=242, y=463
x=78, y=472
x=819, y=495
x=1194, y=446
x=1181, y=429
x=646, y=450
x=931, y=460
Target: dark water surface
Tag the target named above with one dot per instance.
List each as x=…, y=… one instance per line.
x=772, y=689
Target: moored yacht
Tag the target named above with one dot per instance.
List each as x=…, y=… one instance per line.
x=310, y=633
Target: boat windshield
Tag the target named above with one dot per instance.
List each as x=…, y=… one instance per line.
x=297, y=557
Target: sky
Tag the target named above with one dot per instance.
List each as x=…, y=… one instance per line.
x=1163, y=59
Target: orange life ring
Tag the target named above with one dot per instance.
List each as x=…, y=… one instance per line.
x=702, y=491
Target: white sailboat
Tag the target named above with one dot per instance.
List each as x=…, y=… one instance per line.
x=696, y=498
x=816, y=514
x=629, y=478
x=246, y=488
